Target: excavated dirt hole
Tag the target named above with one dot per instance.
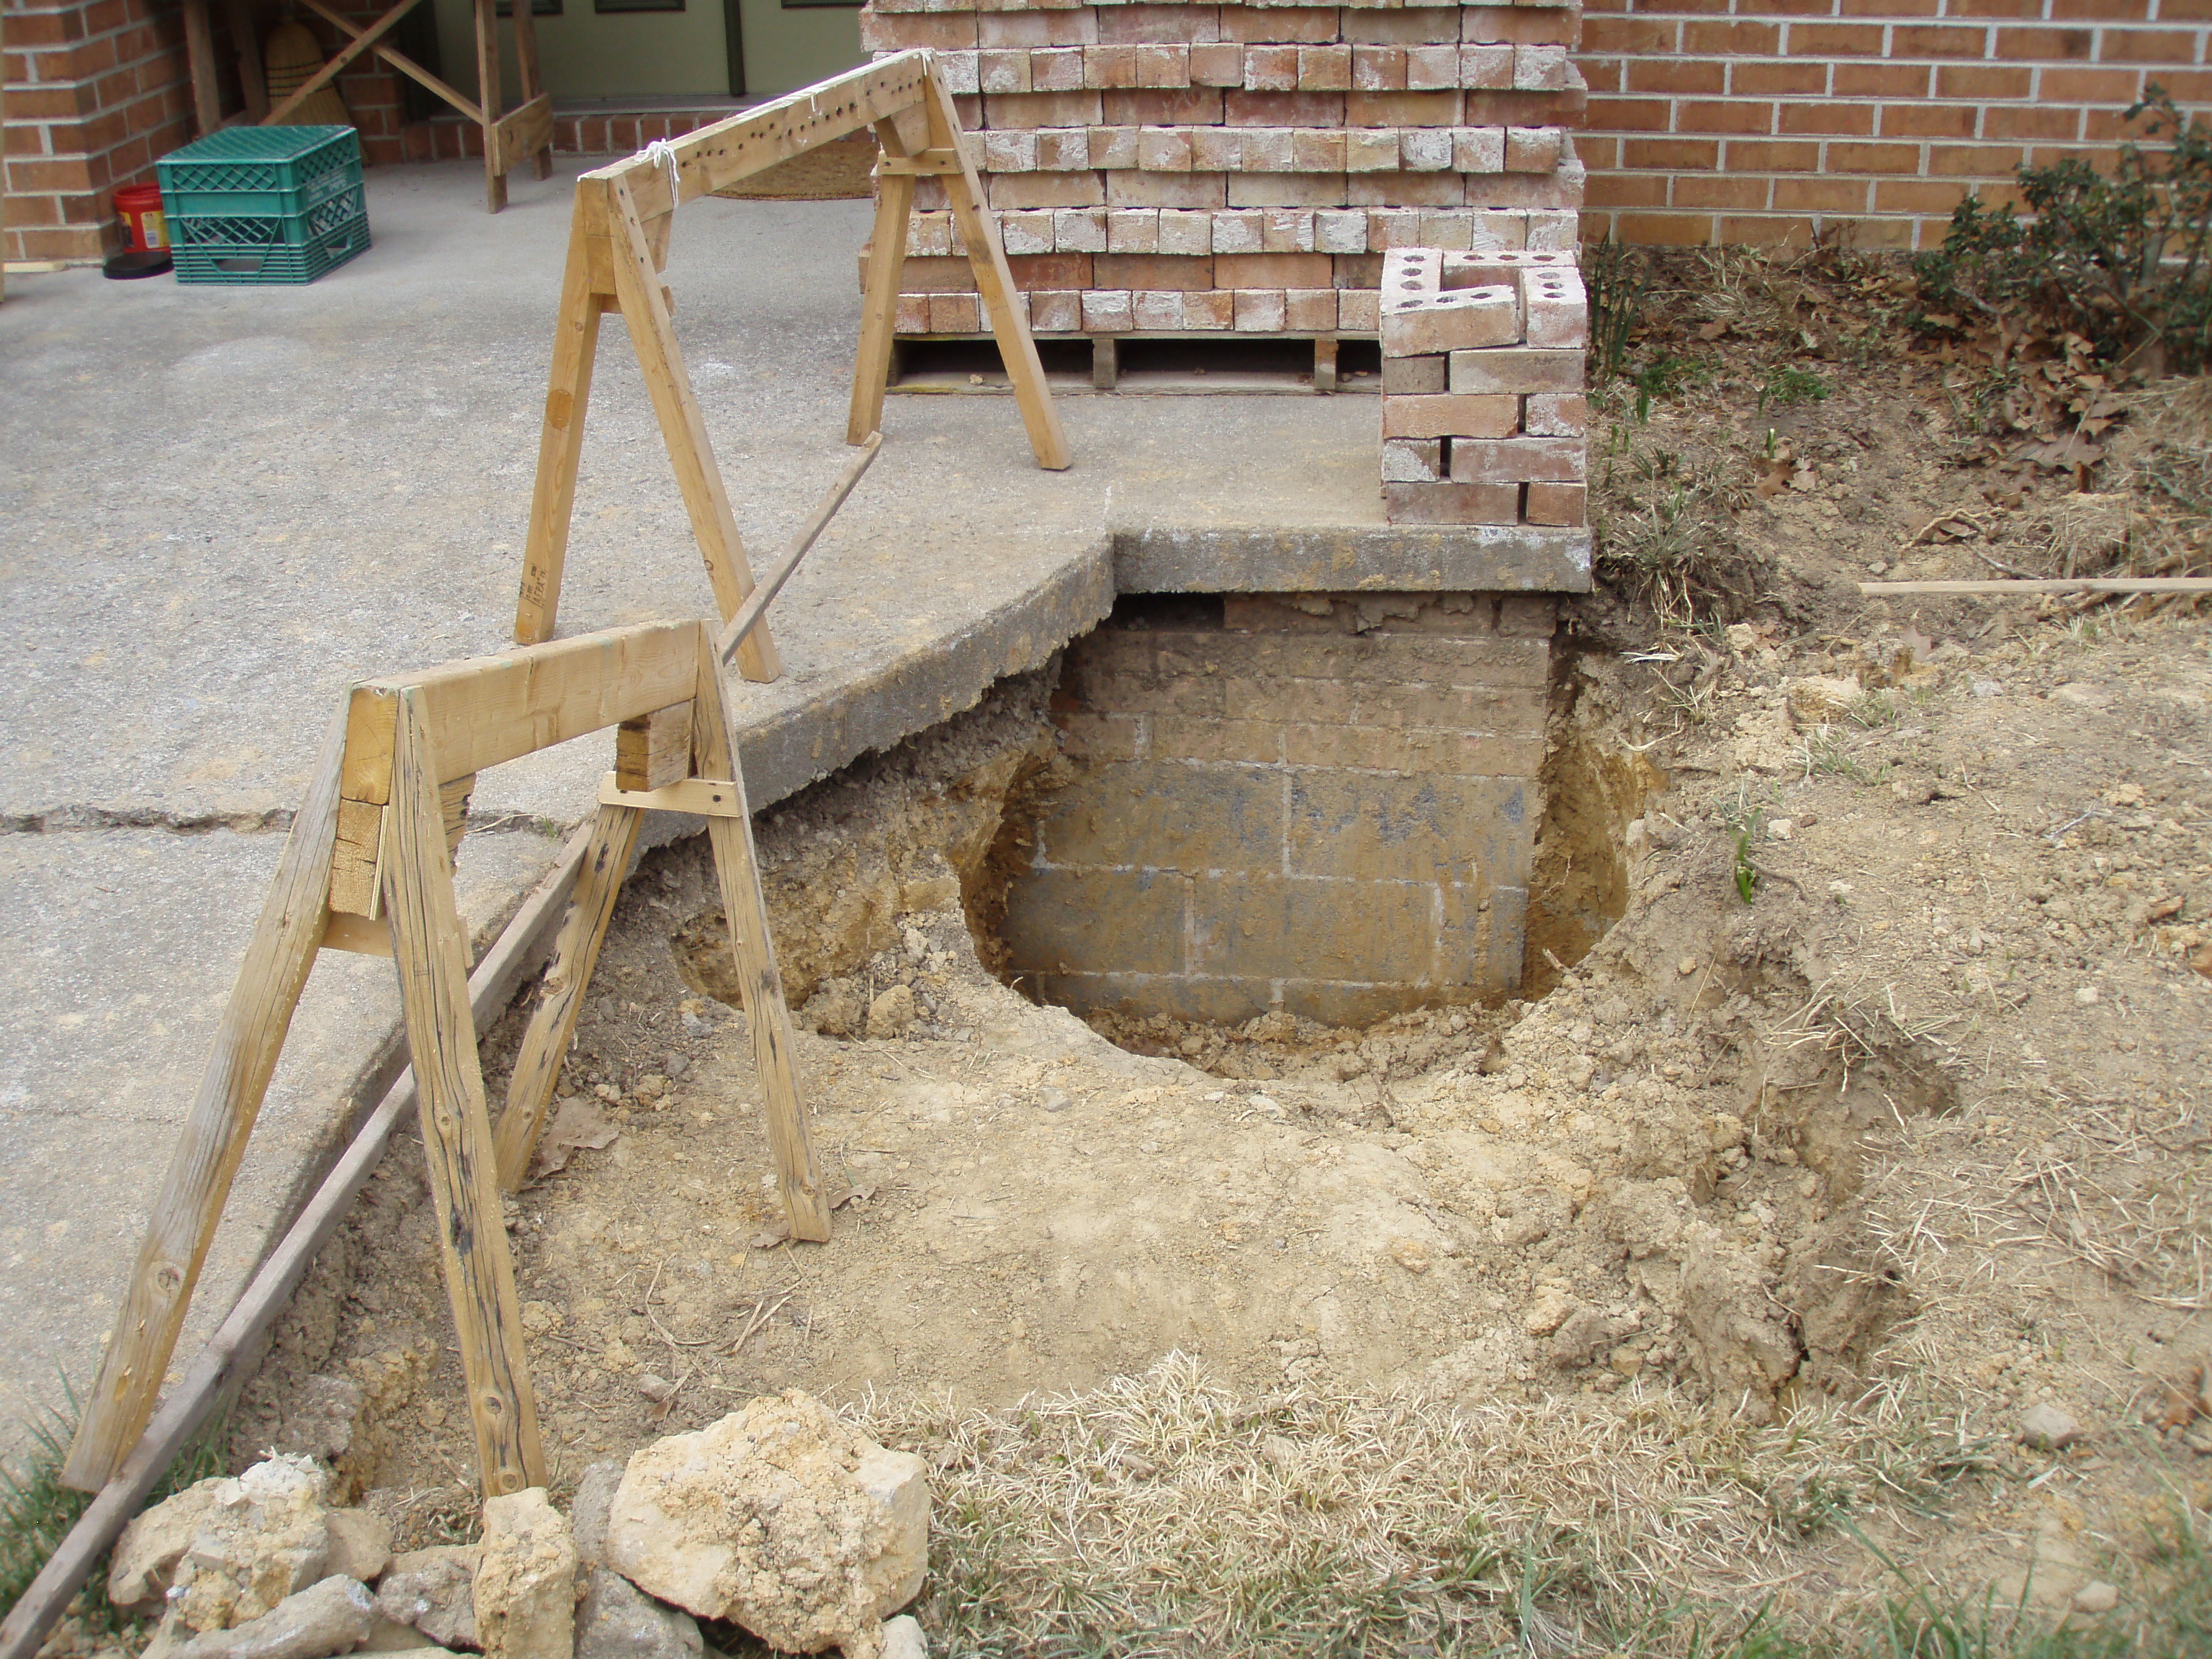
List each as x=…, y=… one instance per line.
x=1650, y=1172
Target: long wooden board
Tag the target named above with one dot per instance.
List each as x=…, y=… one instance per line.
x=489, y=709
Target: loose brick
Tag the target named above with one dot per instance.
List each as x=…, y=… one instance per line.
x=1009, y=152
x=1213, y=308
x=1286, y=230
x=1378, y=68
x=1156, y=308
x=1063, y=149
x=1450, y=503
x=1106, y=311
x=1220, y=63
x=1555, y=308
x=1555, y=415
x=1340, y=231
x=1239, y=232
x=1163, y=66
x=1216, y=149
x=1040, y=109
x=1058, y=69
x=1358, y=311
x=1156, y=106
x=1270, y=69
x=1260, y=311
x=1140, y=24
x=1314, y=151
x=1485, y=67
x=1283, y=190
x=1003, y=71
x=1369, y=149
x=1032, y=28
x=1267, y=149
x=1240, y=270
x=1310, y=310
x=1402, y=109
x=1051, y=311
x=1518, y=460
x=1467, y=318
x=1112, y=146
x=1107, y=66
x=952, y=314
x=1532, y=150
x=1183, y=231
x=1557, y=503
x=1540, y=69
x=1427, y=149
x=1432, y=69
x=1450, y=416
x=1413, y=376
x=1026, y=233
x=1412, y=460
x=1324, y=68
x=1133, y=230
x=1413, y=26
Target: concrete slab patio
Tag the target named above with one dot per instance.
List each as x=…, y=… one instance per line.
x=220, y=506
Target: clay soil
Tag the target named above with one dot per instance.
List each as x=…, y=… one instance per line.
x=1861, y=1074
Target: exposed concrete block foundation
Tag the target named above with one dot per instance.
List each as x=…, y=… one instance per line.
x=1321, y=803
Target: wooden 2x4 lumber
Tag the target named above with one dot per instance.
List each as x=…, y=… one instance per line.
x=524, y=132
x=561, y=437
x=654, y=749
x=682, y=426
x=767, y=1020
x=561, y=991
x=715, y=156
x=278, y=957
x=361, y=40
x=431, y=954
x=236, y=1344
x=488, y=709
x=702, y=797
x=406, y=66
x=880, y=301
x=732, y=639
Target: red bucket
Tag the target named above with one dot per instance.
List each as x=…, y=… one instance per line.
x=139, y=207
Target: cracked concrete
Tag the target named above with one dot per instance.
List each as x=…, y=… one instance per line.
x=220, y=506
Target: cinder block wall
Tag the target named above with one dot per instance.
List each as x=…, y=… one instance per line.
x=1238, y=166
x=1766, y=121
x=1326, y=803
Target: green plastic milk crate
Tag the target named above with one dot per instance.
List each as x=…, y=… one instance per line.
x=259, y=206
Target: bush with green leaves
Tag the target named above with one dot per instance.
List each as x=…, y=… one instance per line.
x=2123, y=260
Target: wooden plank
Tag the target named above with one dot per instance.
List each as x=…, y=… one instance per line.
x=484, y=710
x=561, y=435
x=524, y=132
x=994, y=283
x=713, y=156
x=2051, y=585
x=682, y=427
x=236, y=1346
x=361, y=40
x=217, y=1125
x=700, y=797
x=524, y=20
x=561, y=992
x=252, y=79
x=406, y=66
x=453, y=808
x=199, y=68
x=432, y=957
x=489, y=95
x=358, y=860
x=871, y=371
x=741, y=627
x=768, y=1020
x=654, y=749
x=343, y=931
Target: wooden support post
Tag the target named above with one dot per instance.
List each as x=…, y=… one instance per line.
x=217, y=1125
x=654, y=749
x=252, y=79
x=1105, y=362
x=361, y=40
x=432, y=955
x=199, y=65
x=994, y=282
x=681, y=426
x=768, y=1021
x=561, y=992
x=879, y=305
x=561, y=439
x=534, y=80
x=489, y=101
x=1325, y=363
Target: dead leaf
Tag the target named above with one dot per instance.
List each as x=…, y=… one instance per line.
x=853, y=1195
x=771, y=1235
x=578, y=1125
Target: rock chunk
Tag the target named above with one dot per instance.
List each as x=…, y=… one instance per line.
x=2046, y=1428
x=261, y=1538
x=617, y=1620
x=891, y=1012
x=331, y=1617
x=588, y=1514
x=360, y=1544
x=434, y=1591
x=146, y=1558
x=1820, y=700
x=902, y=1639
x=525, y=1579
x=781, y=1517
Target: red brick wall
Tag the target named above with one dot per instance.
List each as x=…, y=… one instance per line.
x=1766, y=120
x=96, y=89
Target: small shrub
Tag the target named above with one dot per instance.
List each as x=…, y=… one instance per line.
x=1789, y=385
x=2125, y=261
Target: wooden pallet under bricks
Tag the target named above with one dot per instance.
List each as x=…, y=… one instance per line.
x=1483, y=408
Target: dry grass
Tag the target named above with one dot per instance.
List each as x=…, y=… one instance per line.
x=1166, y=1513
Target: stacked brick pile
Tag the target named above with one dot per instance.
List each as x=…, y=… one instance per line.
x=1483, y=410
x=1237, y=167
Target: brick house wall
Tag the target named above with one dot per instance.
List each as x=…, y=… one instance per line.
x=1767, y=120
x=98, y=89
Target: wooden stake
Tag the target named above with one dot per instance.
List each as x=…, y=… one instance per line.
x=879, y=304
x=732, y=638
x=561, y=992
x=432, y=955
x=768, y=1020
x=235, y=1345
x=217, y=1125
x=561, y=439
x=994, y=282
x=681, y=426
x=2049, y=585
x=489, y=101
